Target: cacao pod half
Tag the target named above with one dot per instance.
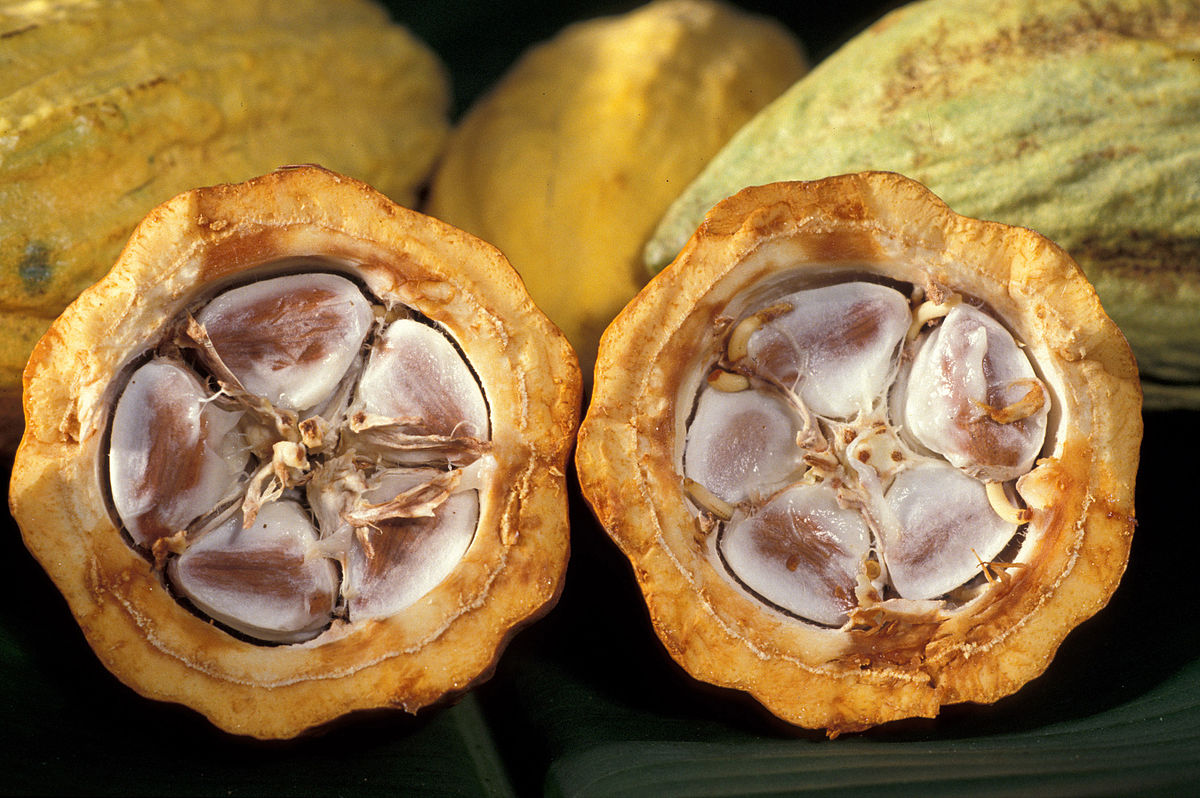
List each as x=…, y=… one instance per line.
x=108, y=109
x=300, y=453
x=1079, y=120
x=568, y=163
x=861, y=467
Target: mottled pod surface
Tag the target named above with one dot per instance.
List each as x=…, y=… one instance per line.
x=300, y=453
x=867, y=456
x=1078, y=119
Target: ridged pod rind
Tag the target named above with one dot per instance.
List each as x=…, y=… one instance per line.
x=195, y=244
x=1081, y=490
x=568, y=163
x=107, y=109
x=1076, y=119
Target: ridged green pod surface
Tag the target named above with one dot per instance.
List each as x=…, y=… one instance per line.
x=107, y=109
x=1078, y=119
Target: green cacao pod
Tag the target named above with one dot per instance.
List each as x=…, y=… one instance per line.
x=108, y=109
x=1080, y=120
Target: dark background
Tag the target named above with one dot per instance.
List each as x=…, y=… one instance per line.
x=585, y=702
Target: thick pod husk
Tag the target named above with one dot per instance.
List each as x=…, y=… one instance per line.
x=887, y=667
x=1076, y=119
x=570, y=161
x=185, y=250
x=107, y=109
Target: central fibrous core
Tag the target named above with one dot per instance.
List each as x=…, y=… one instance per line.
x=854, y=444
x=294, y=452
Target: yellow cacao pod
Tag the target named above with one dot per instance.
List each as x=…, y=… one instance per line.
x=569, y=162
x=108, y=109
x=1079, y=120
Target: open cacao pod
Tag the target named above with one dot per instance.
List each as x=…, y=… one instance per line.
x=300, y=453
x=867, y=457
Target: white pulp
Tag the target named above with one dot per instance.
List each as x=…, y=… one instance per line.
x=968, y=363
x=801, y=552
x=289, y=339
x=409, y=556
x=945, y=527
x=854, y=463
x=416, y=375
x=266, y=579
x=173, y=456
x=272, y=518
x=836, y=348
x=741, y=442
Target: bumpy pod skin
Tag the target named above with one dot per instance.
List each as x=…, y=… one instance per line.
x=910, y=663
x=1076, y=119
x=108, y=109
x=569, y=162
x=194, y=245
